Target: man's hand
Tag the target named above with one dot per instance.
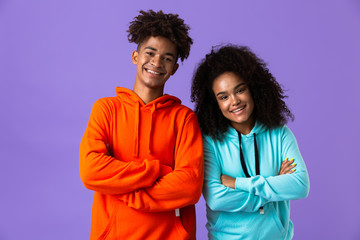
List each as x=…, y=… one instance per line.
x=287, y=166
x=228, y=181
x=108, y=150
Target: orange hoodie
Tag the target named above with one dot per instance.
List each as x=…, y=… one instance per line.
x=148, y=179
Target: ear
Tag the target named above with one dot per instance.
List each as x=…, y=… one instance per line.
x=176, y=66
x=134, y=57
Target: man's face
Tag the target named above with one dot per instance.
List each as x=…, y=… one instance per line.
x=156, y=62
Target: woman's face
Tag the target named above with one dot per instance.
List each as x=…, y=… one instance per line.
x=235, y=101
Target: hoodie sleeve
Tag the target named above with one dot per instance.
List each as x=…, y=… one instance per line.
x=282, y=187
x=103, y=173
x=219, y=197
x=181, y=187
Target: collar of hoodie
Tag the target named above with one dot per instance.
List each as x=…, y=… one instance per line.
x=258, y=128
x=134, y=101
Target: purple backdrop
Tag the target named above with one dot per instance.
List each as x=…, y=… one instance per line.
x=58, y=57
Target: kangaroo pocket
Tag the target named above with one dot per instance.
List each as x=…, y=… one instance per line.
x=238, y=223
x=109, y=233
x=129, y=223
x=249, y=225
x=277, y=231
x=182, y=233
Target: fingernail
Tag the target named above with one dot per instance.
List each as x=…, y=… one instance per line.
x=286, y=159
x=294, y=170
x=293, y=164
x=292, y=159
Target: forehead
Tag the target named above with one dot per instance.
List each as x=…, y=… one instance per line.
x=226, y=82
x=159, y=44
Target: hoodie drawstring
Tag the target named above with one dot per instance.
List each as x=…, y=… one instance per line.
x=153, y=109
x=257, y=164
x=132, y=102
x=136, y=132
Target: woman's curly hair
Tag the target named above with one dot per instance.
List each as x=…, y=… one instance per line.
x=154, y=24
x=269, y=109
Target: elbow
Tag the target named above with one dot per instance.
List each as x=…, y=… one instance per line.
x=197, y=195
x=304, y=190
x=213, y=205
x=87, y=177
x=194, y=194
x=194, y=191
x=212, y=201
x=86, y=180
x=306, y=186
x=216, y=204
x=89, y=174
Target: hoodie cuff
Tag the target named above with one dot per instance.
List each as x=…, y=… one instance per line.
x=243, y=184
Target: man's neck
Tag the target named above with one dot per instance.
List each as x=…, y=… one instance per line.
x=148, y=94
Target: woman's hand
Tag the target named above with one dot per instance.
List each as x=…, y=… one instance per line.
x=287, y=166
x=228, y=181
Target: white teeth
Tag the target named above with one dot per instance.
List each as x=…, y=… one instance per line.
x=153, y=72
x=239, y=109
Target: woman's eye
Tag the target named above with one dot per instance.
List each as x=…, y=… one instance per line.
x=223, y=97
x=241, y=90
x=168, y=59
x=150, y=53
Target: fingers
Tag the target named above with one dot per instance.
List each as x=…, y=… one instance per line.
x=108, y=149
x=287, y=166
x=228, y=181
x=223, y=178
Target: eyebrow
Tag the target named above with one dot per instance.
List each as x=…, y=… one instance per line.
x=155, y=50
x=237, y=86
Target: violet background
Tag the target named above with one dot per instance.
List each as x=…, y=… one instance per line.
x=58, y=57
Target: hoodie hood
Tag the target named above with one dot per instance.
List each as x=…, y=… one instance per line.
x=130, y=97
x=132, y=100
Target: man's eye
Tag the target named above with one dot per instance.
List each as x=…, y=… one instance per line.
x=168, y=59
x=150, y=53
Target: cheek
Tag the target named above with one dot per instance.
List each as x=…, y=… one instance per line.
x=223, y=107
x=170, y=69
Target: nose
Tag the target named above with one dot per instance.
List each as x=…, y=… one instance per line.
x=156, y=61
x=235, y=100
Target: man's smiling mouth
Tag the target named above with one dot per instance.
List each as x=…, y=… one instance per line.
x=153, y=72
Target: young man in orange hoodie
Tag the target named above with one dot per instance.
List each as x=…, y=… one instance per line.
x=142, y=150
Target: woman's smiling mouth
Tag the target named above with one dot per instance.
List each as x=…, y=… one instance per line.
x=238, y=109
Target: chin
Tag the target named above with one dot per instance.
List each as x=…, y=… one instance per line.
x=155, y=86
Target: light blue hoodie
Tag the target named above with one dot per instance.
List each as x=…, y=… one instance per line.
x=234, y=213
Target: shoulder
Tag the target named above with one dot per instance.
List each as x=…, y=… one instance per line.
x=183, y=113
x=106, y=101
x=209, y=141
x=106, y=104
x=279, y=130
x=182, y=108
x=283, y=134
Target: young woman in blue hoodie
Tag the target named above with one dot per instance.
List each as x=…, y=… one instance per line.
x=253, y=166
